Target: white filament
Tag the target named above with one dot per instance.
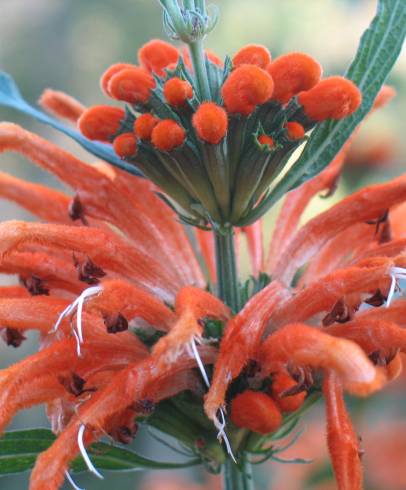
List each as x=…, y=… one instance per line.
x=77, y=306
x=219, y=425
x=70, y=479
x=84, y=454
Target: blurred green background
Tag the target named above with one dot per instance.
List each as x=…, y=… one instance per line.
x=67, y=44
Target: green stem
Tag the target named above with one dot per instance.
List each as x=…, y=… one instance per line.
x=236, y=477
x=227, y=276
x=200, y=71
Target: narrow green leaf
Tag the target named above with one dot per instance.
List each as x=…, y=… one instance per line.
x=10, y=96
x=19, y=450
x=378, y=50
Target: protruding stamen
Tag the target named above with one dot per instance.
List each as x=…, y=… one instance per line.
x=396, y=273
x=70, y=480
x=84, y=454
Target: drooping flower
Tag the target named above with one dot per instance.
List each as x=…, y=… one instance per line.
x=112, y=259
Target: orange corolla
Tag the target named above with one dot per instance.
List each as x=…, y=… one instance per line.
x=111, y=258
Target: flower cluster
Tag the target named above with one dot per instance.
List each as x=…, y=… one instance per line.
x=215, y=158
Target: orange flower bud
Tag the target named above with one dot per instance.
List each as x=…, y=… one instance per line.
x=266, y=140
x=177, y=91
x=144, y=125
x=253, y=54
x=332, y=98
x=292, y=73
x=211, y=56
x=156, y=55
x=246, y=87
x=282, y=382
x=295, y=130
x=109, y=73
x=61, y=105
x=101, y=122
x=125, y=145
x=132, y=85
x=210, y=122
x=255, y=411
x=168, y=135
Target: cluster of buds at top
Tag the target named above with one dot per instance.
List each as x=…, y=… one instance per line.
x=214, y=158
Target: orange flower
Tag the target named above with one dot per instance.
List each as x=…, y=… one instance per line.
x=177, y=91
x=252, y=54
x=101, y=122
x=210, y=122
x=167, y=135
x=156, y=55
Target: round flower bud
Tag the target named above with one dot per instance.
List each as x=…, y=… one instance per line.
x=332, y=98
x=109, y=73
x=167, y=135
x=292, y=73
x=101, y=122
x=177, y=91
x=210, y=122
x=156, y=55
x=125, y=145
x=144, y=125
x=255, y=411
x=245, y=88
x=295, y=130
x=282, y=382
x=132, y=85
x=266, y=140
x=252, y=54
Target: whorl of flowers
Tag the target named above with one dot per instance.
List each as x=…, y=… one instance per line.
x=238, y=139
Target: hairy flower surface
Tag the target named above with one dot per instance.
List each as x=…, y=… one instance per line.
x=127, y=317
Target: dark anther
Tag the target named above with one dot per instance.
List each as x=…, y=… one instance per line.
x=379, y=221
x=340, y=313
x=295, y=390
x=12, y=336
x=377, y=299
x=252, y=368
x=34, y=285
x=76, y=211
x=115, y=323
x=303, y=378
x=88, y=271
x=144, y=407
x=74, y=384
x=124, y=434
x=380, y=359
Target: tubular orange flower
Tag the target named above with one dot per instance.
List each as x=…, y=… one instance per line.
x=156, y=55
x=252, y=54
x=295, y=130
x=61, y=104
x=255, y=411
x=292, y=73
x=177, y=91
x=167, y=135
x=264, y=139
x=332, y=98
x=245, y=88
x=144, y=125
x=131, y=85
x=125, y=145
x=210, y=122
x=101, y=122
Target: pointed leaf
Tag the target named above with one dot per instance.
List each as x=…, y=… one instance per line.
x=19, y=450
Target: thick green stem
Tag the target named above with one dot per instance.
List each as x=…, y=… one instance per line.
x=227, y=276
x=237, y=477
x=199, y=68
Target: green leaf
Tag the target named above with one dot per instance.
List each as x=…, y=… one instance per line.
x=19, y=450
x=10, y=96
x=378, y=50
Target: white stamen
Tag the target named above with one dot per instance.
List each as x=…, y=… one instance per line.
x=84, y=454
x=77, y=306
x=70, y=480
x=396, y=273
x=219, y=425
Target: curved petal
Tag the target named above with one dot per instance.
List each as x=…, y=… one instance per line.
x=255, y=246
